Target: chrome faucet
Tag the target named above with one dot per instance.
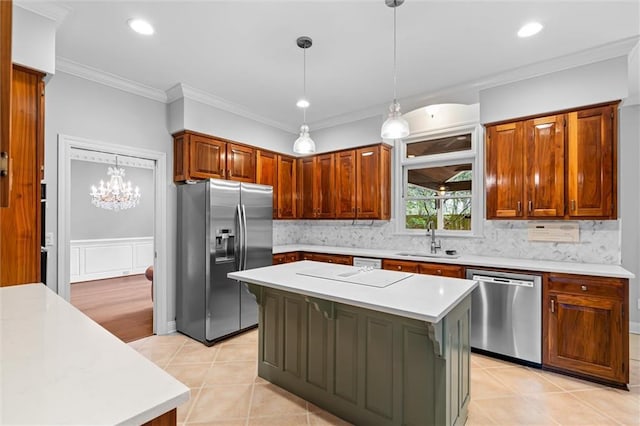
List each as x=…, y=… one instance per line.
x=432, y=229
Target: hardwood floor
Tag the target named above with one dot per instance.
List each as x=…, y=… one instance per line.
x=121, y=305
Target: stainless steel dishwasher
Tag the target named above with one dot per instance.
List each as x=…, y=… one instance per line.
x=506, y=314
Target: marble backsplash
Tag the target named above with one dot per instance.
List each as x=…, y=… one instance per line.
x=599, y=240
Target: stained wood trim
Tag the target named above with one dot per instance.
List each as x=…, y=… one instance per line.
x=6, y=14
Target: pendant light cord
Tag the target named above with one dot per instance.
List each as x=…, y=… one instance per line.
x=304, y=83
x=394, y=54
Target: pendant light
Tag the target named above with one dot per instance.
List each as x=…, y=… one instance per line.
x=395, y=127
x=304, y=144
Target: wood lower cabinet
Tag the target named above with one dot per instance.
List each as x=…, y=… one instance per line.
x=20, y=223
x=286, y=257
x=198, y=156
x=586, y=326
x=328, y=258
x=444, y=270
x=560, y=166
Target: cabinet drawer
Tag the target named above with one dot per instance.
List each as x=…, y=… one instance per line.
x=285, y=257
x=592, y=286
x=328, y=258
x=442, y=270
x=401, y=265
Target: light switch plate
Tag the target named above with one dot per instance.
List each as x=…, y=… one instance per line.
x=561, y=232
x=48, y=240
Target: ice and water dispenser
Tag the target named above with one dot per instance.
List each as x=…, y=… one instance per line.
x=225, y=245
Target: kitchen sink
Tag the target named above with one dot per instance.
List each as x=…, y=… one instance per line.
x=432, y=255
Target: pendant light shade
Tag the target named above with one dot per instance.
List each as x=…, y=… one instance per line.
x=394, y=127
x=304, y=144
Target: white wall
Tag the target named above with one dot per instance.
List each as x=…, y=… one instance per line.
x=33, y=40
x=586, y=85
x=78, y=107
x=629, y=203
x=189, y=114
x=89, y=222
x=357, y=133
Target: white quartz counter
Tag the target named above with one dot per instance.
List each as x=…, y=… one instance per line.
x=594, y=269
x=57, y=366
x=422, y=297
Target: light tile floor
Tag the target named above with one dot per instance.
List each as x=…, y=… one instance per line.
x=225, y=389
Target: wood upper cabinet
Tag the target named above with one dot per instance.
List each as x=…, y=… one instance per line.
x=316, y=183
x=586, y=326
x=20, y=226
x=363, y=183
x=560, y=166
x=197, y=156
x=286, y=199
x=345, y=176
x=592, y=162
x=267, y=173
x=544, y=166
x=6, y=14
x=504, y=173
x=241, y=163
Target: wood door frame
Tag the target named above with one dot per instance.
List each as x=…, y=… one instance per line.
x=160, y=231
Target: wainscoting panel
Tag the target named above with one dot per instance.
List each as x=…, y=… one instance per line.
x=108, y=258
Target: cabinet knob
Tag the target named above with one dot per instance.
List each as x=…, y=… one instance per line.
x=330, y=261
x=530, y=206
x=399, y=268
x=439, y=271
x=519, y=207
x=583, y=288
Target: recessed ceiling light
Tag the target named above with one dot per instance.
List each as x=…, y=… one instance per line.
x=530, y=29
x=140, y=26
x=302, y=103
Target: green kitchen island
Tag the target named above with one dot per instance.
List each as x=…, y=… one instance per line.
x=372, y=354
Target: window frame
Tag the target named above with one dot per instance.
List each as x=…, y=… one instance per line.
x=474, y=156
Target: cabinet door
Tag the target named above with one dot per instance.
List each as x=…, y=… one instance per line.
x=324, y=174
x=591, y=162
x=367, y=183
x=206, y=158
x=504, y=171
x=20, y=223
x=544, y=166
x=329, y=258
x=585, y=335
x=401, y=265
x=345, y=198
x=286, y=198
x=241, y=163
x=441, y=270
x=267, y=173
x=306, y=187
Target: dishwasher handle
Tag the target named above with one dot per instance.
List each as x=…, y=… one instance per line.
x=503, y=281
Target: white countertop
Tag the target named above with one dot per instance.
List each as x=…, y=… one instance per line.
x=422, y=297
x=594, y=269
x=57, y=366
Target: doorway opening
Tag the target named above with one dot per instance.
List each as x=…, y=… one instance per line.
x=106, y=258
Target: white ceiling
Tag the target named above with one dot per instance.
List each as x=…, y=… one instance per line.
x=245, y=51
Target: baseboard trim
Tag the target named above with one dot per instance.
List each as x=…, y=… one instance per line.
x=171, y=327
x=634, y=327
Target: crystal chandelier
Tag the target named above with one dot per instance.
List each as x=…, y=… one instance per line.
x=115, y=195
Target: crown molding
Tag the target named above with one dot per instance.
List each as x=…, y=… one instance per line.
x=93, y=74
x=468, y=92
x=54, y=11
x=181, y=90
x=106, y=158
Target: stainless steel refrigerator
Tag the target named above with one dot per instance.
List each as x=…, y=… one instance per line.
x=223, y=226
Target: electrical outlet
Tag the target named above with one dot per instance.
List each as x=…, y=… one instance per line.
x=48, y=241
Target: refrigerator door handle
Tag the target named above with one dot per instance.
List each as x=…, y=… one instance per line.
x=244, y=238
x=239, y=246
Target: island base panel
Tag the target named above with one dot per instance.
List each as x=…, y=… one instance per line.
x=170, y=418
x=365, y=366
